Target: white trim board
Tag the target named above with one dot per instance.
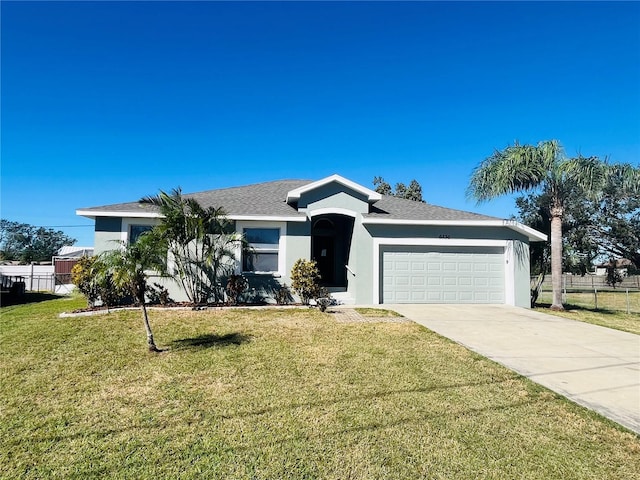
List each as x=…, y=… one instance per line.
x=507, y=245
x=264, y=218
x=296, y=193
x=530, y=233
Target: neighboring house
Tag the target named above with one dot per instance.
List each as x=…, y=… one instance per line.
x=620, y=264
x=370, y=248
x=63, y=263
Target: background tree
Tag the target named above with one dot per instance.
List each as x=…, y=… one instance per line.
x=545, y=168
x=579, y=245
x=27, y=243
x=127, y=268
x=382, y=187
x=593, y=228
x=411, y=192
x=615, y=219
x=202, y=244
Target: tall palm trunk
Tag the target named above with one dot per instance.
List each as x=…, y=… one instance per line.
x=556, y=258
x=147, y=327
x=145, y=318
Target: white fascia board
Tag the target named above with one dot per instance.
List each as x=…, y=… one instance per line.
x=529, y=232
x=96, y=213
x=533, y=234
x=267, y=218
x=371, y=195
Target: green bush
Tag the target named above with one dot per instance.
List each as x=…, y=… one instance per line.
x=84, y=277
x=305, y=281
x=236, y=285
x=283, y=295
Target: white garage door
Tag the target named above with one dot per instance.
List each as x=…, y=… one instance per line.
x=443, y=274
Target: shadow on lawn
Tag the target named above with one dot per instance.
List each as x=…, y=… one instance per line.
x=7, y=299
x=568, y=307
x=211, y=340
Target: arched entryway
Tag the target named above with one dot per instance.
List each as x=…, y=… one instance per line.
x=330, y=247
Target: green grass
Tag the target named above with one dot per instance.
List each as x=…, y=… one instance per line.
x=605, y=318
x=611, y=310
x=612, y=300
x=277, y=394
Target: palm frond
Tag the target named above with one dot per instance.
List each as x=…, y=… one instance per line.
x=517, y=168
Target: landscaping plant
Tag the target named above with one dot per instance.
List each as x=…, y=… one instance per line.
x=305, y=280
x=236, y=286
x=127, y=268
x=202, y=244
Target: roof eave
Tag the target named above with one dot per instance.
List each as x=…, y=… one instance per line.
x=530, y=233
x=109, y=213
x=265, y=218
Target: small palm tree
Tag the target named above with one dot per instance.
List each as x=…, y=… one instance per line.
x=543, y=167
x=128, y=266
x=201, y=242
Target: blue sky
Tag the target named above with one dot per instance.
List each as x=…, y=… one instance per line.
x=105, y=102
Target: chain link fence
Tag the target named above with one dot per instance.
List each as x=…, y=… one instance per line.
x=592, y=292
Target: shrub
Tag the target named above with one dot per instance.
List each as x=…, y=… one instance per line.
x=305, y=280
x=157, y=294
x=84, y=277
x=236, y=285
x=613, y=275
x=283, y=295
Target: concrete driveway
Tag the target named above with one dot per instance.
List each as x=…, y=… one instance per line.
x=594, y=366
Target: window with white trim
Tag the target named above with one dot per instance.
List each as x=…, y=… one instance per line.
x=263, y=250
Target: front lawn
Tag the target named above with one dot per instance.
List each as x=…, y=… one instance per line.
x=277, y=394
x=627, y=322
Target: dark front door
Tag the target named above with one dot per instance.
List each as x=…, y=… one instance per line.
x=324, y=255
x=330, y=246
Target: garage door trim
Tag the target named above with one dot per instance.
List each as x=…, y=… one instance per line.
x=509, y=274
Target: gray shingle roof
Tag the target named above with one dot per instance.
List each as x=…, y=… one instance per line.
x=269, y=199
x=394, y=208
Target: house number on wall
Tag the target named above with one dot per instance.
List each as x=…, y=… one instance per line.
x=444, y=236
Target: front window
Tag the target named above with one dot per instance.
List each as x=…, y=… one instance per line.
x=136, y=230
x=262, y=252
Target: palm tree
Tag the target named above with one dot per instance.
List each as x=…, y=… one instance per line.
x=542, y=167
x=127, y=268
x=201, y=242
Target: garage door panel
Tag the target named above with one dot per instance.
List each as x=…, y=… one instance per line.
x=435, y=297
x=443, y=275
x=464, y=296
x=480, y=296
x=418, y=296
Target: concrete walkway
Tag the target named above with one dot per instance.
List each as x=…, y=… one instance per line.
x=594, y=366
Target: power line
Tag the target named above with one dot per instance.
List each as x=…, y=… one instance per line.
x=65, y=226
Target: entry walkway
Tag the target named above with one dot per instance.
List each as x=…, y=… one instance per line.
x=593, y=366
